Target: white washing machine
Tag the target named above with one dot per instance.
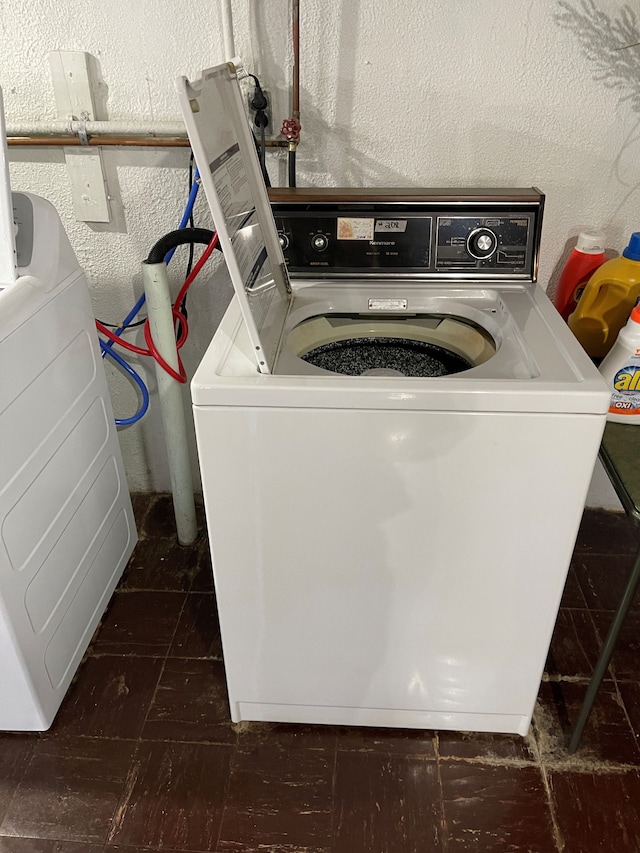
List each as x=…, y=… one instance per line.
x=396, y=435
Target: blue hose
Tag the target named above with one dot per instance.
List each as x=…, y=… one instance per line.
x=186, y=216
x=187, y=211
x=127, y=320
x=137, y=379
x=106, y=347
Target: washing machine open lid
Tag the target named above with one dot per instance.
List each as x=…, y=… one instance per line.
x=225, y=154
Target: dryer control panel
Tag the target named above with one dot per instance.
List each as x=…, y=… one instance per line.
x=492, y=234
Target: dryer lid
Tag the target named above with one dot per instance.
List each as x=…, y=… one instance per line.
x=230, y=173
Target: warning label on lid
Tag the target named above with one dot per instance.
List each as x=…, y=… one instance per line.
x=232, y=188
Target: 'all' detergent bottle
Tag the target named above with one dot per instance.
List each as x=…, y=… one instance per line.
x=607, y=300
x=583, y=261
x=621, y=369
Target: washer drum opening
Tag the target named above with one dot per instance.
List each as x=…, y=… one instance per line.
x=425, y=345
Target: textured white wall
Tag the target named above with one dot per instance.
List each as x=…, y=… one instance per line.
x=401, y=93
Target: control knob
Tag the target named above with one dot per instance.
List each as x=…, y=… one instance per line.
x=283, y=240
x=482, y=243
x=319, y=242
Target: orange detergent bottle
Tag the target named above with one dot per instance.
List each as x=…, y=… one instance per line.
x=583, y=261
x=607, y=300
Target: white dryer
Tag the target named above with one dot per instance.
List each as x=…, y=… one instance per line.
x=396, y=435
x=66, y=523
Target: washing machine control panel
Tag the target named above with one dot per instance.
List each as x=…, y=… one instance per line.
x=436, y=240
x=483, y=241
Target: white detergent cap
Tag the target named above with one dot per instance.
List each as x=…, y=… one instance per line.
x=590, y=242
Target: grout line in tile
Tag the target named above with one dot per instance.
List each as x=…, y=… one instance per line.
x=444, y=831
x=579, y=554
x=557, y=833
x=125, y=591
x=534, y=744
x=554, y=756
x=186, y=742
x=487, y=760
x=580, y=763
x=553, y=678
x=334, y=781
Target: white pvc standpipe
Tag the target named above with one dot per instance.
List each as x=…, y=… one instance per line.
x=156, y=288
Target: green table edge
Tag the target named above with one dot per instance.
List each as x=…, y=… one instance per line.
x=620, y=457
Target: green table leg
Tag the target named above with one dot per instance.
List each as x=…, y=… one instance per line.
x=605, y=654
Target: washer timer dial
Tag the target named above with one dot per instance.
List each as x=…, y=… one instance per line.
x=482, y=243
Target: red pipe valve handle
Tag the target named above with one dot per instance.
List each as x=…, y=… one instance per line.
x=291, y=129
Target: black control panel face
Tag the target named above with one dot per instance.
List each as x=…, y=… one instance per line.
x=360, y=241
x=401, y=241
x=482, y=241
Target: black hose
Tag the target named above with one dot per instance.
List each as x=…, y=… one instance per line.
x=178, y=238
x=259, y=104
x=263, y=160
x=260, y=150
x=292, y=167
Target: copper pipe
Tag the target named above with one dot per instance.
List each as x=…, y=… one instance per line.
x=296, y=60
x=124, y=141
x=54, y=141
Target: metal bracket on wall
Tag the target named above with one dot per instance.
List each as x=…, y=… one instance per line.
x=75, y=87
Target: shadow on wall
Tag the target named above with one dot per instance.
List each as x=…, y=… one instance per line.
x=332, y=159
x=611, y=44
x=344, y=164
x=327, y=155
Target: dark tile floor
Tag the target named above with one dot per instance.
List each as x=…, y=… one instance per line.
x=142, y=755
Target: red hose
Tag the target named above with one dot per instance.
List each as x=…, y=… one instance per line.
x=182, y=375
x=118, y=340
x=152, y=350
x=194, y=272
